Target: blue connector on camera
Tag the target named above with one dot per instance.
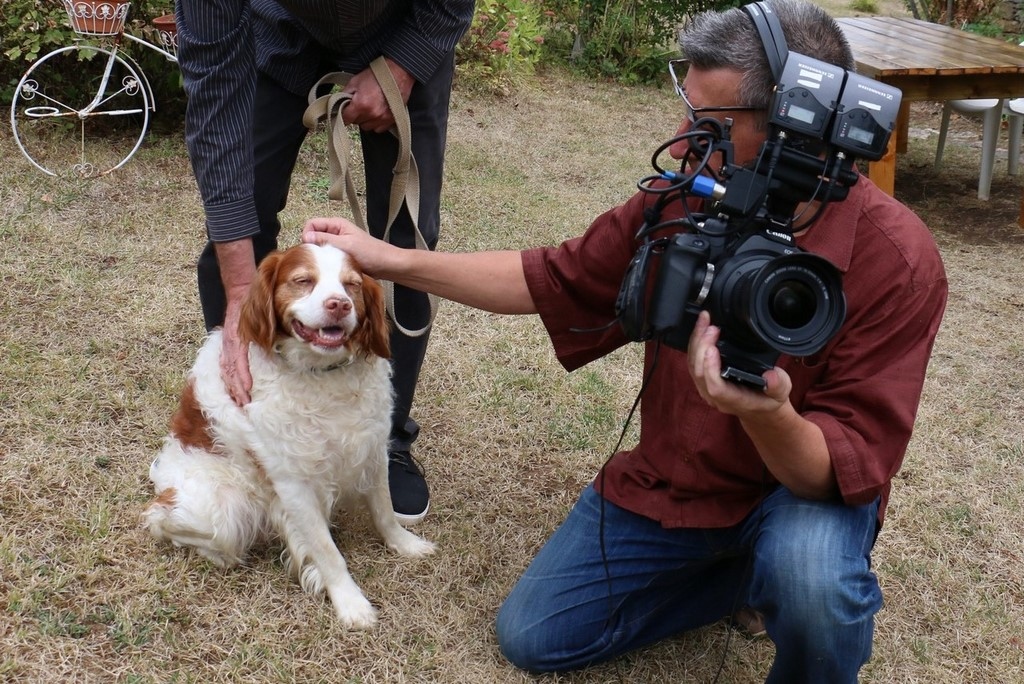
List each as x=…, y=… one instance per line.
x=701, y=186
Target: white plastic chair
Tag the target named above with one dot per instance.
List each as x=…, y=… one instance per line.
x=991, y=112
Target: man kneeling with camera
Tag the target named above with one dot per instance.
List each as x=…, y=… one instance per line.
x=759, y=488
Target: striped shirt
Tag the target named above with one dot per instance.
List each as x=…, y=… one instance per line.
x=222, y=44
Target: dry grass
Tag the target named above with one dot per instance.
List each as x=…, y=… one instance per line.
x=100, y=321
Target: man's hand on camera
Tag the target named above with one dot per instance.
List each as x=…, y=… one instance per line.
x=791, y=447
x=725, y=396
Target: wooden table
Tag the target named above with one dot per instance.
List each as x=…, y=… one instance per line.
x=930, y=62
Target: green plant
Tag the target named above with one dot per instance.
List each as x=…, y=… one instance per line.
x=869, y=6
x=985, y=27
x=626, y=40
x=506, y=39
x=630, y=40
x=957, y=12
x=29, y=31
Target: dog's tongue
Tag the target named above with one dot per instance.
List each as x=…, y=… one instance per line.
x=329, y=338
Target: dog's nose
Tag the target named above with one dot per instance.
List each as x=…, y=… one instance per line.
x=338, y=305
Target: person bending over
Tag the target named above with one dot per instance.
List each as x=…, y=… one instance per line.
x=248, y=66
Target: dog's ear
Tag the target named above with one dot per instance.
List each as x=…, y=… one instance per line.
x=374, y=330
x=258, y=323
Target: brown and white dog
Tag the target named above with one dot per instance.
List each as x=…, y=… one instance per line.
x=315, y=431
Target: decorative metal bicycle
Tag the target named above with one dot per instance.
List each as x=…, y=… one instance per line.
x=98, y=131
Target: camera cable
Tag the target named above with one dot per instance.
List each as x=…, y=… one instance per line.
x=749, y=564
x=601, y=480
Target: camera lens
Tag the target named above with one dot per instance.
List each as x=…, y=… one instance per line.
x=796, y=303
x=791, y=304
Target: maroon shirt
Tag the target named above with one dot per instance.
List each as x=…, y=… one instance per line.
x=695, y=466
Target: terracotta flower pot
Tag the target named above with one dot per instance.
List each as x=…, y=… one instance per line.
x=97, y=17
x=168, y=31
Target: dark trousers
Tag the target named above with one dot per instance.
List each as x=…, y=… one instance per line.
x=278, y=134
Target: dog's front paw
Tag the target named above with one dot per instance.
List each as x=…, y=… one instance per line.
x=355, y=612
x=411, y=546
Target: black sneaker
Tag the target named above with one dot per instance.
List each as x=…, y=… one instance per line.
x=409, y=494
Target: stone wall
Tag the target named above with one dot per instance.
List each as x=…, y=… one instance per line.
x=1009, y=14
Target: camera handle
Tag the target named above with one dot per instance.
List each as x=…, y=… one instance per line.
x=757, y=363
x=684, y=279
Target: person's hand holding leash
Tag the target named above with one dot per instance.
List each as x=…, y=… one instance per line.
x=369, y=108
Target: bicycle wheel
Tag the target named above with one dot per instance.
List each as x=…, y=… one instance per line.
x=80, y=111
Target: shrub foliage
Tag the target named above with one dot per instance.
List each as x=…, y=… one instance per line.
x=963, y=11
x=31, y=28
x=624, y=40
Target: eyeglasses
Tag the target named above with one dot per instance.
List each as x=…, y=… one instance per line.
x=694, y=113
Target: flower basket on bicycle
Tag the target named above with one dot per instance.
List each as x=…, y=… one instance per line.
x=168, y=31
x=97, y=17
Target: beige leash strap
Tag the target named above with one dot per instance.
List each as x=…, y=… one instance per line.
x=405, y=185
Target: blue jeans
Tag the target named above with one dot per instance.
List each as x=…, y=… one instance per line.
x=805, y=565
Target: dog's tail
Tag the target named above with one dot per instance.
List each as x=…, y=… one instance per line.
x=202, y=502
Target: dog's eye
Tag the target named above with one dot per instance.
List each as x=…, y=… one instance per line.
x=303, y=280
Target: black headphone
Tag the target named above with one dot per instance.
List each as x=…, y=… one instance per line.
x=772, y=38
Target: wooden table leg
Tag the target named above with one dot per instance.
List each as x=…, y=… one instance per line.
x=883, y=171
x=903, y=127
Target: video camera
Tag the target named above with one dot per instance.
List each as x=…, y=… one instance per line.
x=740, y=261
